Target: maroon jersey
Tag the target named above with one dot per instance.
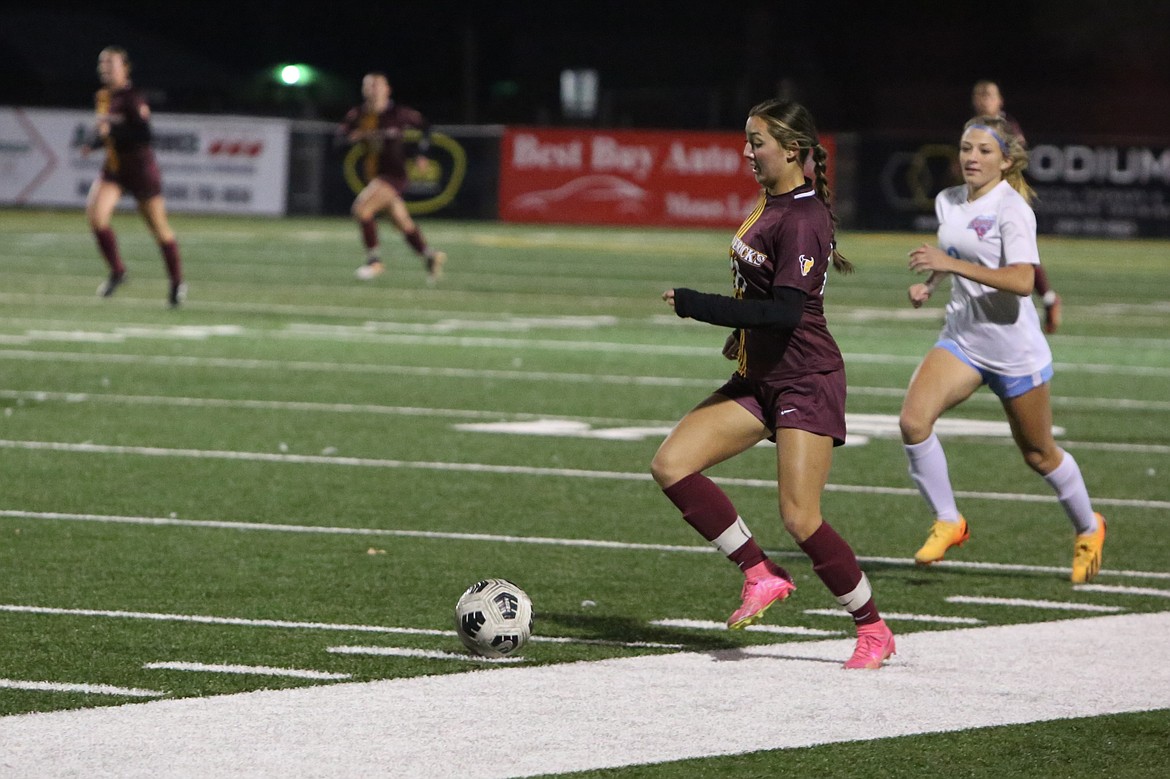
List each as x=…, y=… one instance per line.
x=129, y=159
x=786, y=241
x=385, y=154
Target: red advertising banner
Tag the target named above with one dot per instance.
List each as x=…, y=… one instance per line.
x=629, y=177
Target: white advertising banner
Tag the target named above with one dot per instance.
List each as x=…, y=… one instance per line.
x=209, y=164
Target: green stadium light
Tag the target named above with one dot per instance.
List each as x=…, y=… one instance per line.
x=295, y=75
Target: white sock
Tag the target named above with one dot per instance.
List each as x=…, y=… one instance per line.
x=928, y=469
x=1070, y=489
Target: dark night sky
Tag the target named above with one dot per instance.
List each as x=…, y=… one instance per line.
x=1088, y=68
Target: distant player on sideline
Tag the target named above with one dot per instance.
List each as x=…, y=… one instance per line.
x=789, y=386
x=992, y=336
x=123, y=129
x=381, y=124
x=987, y=101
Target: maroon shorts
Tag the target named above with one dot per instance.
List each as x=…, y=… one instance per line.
x=815, y=403
x=137, y=175
x=398, y=182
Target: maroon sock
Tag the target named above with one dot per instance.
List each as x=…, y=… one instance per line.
x=1040, y=282
x=750, y=554
x=416, y=241
x=369, y=233
x=170, y=253
x=707, y=509
x=834, y=561
x=108, y=246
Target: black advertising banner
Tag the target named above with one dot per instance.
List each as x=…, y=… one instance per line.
x=1104, y=188
x=461, y=182
x=897, y=179
x=1109, y=189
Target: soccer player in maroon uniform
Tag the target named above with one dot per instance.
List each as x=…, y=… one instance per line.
x=987, y=100
x=790, y=385
x=123, y=129
x=381, y=124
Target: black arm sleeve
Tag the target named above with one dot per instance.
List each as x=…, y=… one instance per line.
x=783, y=311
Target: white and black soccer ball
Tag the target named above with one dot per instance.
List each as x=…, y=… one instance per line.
x=494, y=618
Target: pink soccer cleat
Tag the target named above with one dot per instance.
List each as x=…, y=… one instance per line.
x=759, y=592
x=875, y=642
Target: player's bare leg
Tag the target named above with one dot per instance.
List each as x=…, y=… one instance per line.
x=99, y=210
x=940, y=383
x=1030, y=417
x=714, y=431
x=433, y=259
x=374, y=197
x=803, y=460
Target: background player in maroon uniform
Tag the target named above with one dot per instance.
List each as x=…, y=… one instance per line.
x=381, y=124
x=790, y=385
x=123, y=129
x=987, y=100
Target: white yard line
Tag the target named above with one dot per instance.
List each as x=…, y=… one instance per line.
x=974, y=565
x=538, y=540
x=895, y=616
x=84, y=689
x=845, y=317
x=257, y=670
x=512, y=470
x=526, y=721
x=1056, y=605
x=39, y=396
x=784, y=630
x=203, y=619
x=429, y=654
x=882, y=425
x=1152, y=592
x=236, y=363
x=239, y=363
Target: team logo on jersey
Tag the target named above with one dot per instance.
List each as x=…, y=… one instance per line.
x=981, y=225
x=806, y=264
x=748, y=254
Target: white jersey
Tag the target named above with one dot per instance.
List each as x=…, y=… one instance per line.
x=999, y=331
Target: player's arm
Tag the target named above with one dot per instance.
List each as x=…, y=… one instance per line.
x=101, y=120
x=920, y=292
x=423, y=145
x=348, y=131
x=95, y=139
x=1018, y=278
x=782, y=312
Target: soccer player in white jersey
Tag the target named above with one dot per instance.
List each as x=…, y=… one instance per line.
x=992, y=336
x=987, y=100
